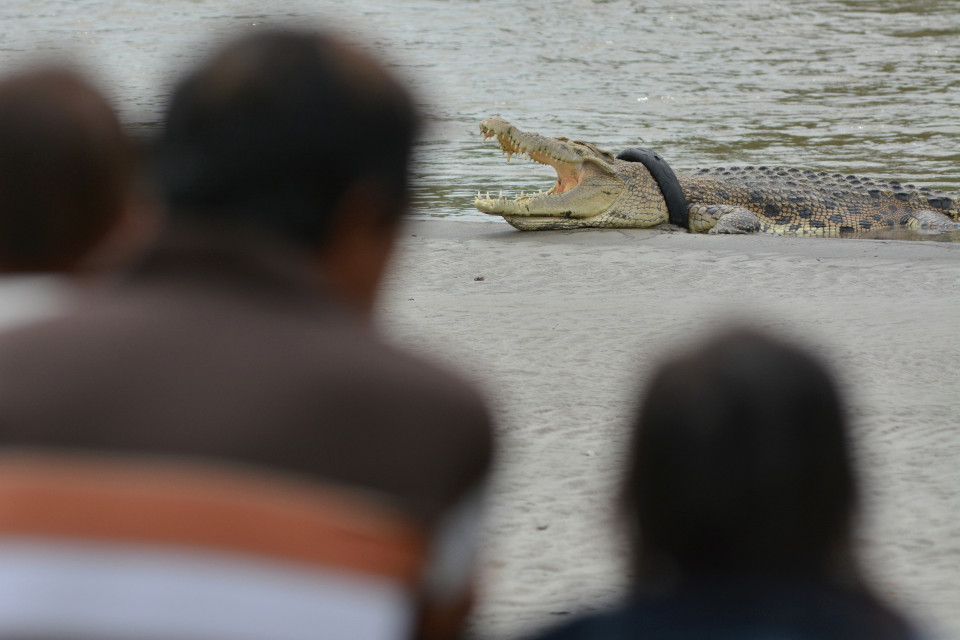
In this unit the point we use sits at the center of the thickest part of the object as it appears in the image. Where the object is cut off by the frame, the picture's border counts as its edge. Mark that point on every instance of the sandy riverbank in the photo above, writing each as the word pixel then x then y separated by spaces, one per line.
pixel 561 328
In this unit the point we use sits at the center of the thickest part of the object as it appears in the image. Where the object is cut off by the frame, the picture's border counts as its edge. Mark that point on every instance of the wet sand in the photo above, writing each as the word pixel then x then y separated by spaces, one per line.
pixel 562 328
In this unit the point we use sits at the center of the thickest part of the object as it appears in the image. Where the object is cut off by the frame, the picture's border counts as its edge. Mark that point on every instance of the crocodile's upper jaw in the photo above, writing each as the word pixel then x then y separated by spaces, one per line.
pixel 579 166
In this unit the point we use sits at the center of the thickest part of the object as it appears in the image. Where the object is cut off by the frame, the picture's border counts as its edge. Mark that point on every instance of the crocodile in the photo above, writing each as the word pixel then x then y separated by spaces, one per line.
pixel 636 188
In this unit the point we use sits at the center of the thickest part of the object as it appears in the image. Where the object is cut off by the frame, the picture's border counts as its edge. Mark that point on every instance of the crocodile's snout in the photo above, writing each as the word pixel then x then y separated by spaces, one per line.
pixel 490 127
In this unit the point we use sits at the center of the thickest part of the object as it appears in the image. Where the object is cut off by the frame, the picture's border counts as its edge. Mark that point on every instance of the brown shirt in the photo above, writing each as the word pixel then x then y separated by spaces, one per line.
pixel 223 348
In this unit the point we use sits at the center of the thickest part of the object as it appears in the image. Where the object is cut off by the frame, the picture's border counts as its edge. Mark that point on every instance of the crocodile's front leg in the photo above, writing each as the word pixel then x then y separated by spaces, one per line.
pixel 721 218
pixel 928 220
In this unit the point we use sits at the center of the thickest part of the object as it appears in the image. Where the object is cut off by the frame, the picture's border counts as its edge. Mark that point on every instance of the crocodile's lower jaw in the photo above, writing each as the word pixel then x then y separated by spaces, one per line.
pixel 541 202
pixel 528 223
pixel 498 206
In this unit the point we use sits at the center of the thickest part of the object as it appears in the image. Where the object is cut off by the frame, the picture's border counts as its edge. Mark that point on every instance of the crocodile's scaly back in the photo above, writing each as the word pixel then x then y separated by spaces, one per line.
pixel 802 202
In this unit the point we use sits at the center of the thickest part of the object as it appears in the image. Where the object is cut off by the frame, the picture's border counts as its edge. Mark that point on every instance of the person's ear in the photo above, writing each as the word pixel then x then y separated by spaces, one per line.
pixel 359 244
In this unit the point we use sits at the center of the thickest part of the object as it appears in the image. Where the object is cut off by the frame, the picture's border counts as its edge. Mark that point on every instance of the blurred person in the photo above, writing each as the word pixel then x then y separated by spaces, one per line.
pixel 220 445
pixel 739 498
pixel 66 169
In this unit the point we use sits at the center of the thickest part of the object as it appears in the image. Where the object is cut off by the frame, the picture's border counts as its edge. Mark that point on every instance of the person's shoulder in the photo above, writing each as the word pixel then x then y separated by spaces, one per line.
pixel 368 376
pixel 427 389
pixel 37 334
pixel 25 299
pixel 609 625
pixel 428 420
pixel 61 311
pixel 797 612
pixel 429 374
pixel 363 354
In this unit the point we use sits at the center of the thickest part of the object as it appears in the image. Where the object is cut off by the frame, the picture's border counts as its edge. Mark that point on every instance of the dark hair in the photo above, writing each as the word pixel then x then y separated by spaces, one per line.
pixel 65 169
pixel 273 130
pixel 740 462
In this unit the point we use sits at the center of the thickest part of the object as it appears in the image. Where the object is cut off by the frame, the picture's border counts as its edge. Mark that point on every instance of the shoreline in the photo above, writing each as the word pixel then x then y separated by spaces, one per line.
pixel 560 329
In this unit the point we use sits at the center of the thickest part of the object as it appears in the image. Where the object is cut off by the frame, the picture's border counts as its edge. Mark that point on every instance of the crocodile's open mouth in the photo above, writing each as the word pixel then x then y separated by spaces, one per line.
pixel 573 160
pixel 569 174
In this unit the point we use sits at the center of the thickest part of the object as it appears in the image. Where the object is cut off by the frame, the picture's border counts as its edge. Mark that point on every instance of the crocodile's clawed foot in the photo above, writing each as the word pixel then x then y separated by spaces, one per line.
pixel 736 220
pixel 728 229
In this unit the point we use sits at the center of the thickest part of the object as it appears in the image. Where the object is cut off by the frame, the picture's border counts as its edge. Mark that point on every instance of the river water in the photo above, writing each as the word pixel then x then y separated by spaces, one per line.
pixel 856 86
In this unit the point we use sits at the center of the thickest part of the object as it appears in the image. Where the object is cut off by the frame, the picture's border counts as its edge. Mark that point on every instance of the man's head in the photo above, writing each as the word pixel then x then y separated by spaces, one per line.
pixel 288 132
pixel 65 170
